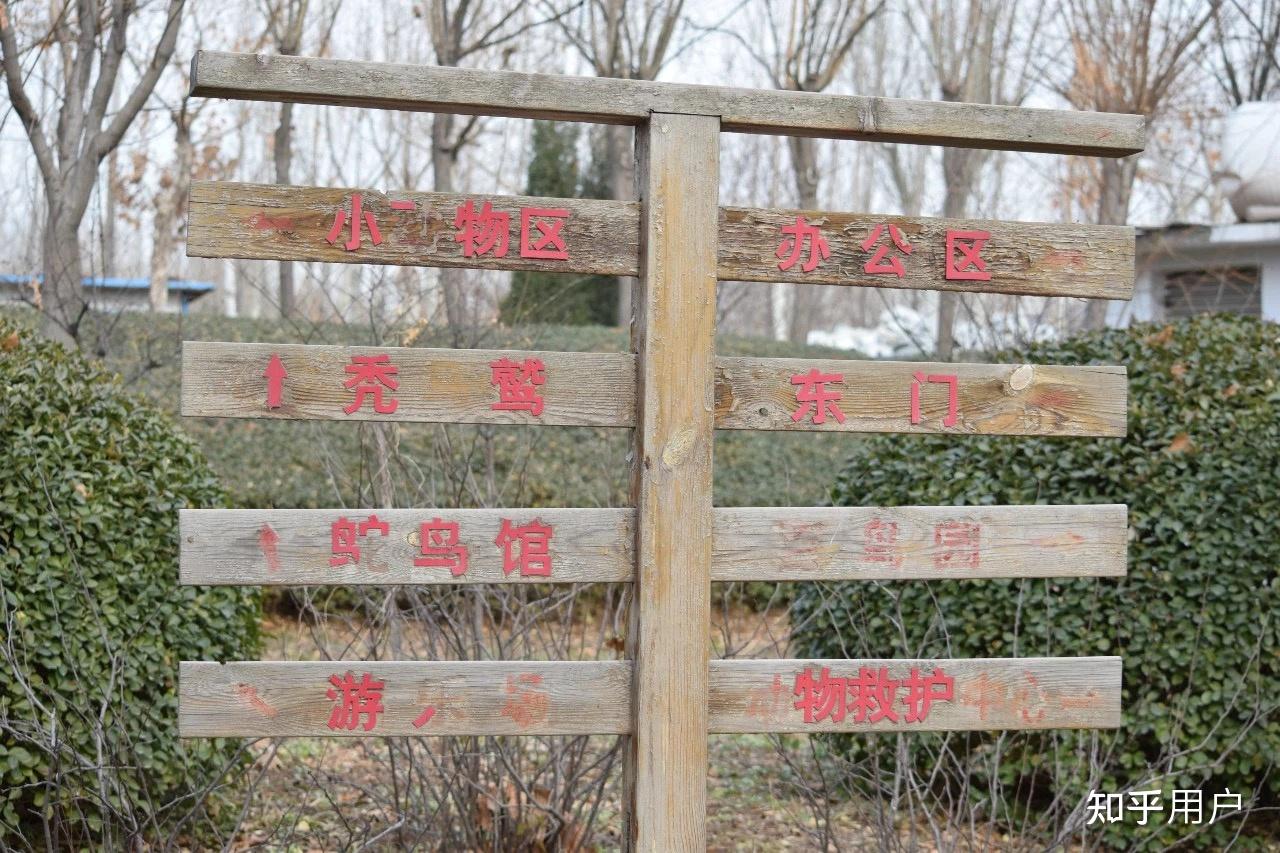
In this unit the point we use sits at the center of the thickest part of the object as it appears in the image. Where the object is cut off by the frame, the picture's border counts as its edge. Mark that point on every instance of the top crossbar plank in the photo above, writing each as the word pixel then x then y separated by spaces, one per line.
pixel 605 100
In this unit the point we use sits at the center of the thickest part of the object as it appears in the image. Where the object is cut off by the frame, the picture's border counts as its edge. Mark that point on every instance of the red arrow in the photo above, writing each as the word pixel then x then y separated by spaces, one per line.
pixel 268 539
pixel 275 375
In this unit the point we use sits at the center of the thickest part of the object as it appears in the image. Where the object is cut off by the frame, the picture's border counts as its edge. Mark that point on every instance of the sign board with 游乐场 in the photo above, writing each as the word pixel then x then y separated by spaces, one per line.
pixel 665 694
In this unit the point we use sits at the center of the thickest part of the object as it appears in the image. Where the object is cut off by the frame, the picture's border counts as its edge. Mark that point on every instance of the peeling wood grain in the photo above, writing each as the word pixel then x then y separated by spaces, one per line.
pixel 875 396
pixel 919 542
pixel 272 699
pixel 455 386
pixel 605 100
pixel 224 546
pixel 266 222
pixel 221 546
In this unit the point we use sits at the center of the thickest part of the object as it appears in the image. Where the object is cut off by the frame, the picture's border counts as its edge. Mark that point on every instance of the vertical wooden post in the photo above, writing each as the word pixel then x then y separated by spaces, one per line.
pixel 674 336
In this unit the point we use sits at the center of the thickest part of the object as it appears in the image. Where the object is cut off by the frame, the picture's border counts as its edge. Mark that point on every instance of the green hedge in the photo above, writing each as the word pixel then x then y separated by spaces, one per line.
pixel 92 620
pixel 1195 619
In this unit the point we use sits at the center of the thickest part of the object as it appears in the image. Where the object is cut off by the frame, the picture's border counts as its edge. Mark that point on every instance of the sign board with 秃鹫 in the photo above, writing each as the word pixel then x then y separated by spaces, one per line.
pixel 292 381
pixel 350 225
pixel 282 547
pixel 398 698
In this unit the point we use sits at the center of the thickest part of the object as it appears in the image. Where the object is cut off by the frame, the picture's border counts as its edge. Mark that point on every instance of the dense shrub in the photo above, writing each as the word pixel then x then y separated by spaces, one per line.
pixel 1195 619
pixel 94 622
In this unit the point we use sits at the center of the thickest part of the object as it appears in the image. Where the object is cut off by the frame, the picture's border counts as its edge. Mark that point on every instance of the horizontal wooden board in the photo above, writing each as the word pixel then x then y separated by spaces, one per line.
pixel 986 694
pixel 349 546
pixel 267 222
pixel 598 389
pixel 260 698
pixel 886 396
pixel 606 100
pixel 312 698
pixel 284 547
pixel 919 542
pixel 226 380
pixel 1024 258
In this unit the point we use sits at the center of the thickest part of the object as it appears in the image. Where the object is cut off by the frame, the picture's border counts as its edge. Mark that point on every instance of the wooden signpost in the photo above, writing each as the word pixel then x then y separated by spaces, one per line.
pixel 672 390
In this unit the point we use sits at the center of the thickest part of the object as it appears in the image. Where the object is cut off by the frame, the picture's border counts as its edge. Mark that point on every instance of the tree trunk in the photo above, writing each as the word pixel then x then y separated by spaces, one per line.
pixel 804 297
pixel 61 295
pixel 444 160
pixel 620 152
pixel 1116 185
pixel 960 168
pixel 168 205
pixel 283 155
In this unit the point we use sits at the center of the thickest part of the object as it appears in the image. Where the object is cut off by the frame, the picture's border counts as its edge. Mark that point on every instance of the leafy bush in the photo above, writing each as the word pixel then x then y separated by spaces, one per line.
pixel 94 622
pixel 1195 617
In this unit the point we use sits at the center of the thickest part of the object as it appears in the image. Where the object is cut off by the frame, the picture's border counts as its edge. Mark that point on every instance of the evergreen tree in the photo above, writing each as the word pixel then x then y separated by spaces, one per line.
pixel 542 297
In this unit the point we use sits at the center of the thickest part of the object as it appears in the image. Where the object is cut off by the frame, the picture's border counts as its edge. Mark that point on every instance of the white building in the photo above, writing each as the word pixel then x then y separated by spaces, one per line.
pixel 1183 270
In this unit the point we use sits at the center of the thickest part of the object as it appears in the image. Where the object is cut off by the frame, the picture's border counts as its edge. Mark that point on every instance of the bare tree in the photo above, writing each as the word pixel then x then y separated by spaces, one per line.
pixel 91 41
pixel 1247 41
pixel 804 54
pixel 460 30
pixel 631 39
pixel 1129 54
pixel 980 52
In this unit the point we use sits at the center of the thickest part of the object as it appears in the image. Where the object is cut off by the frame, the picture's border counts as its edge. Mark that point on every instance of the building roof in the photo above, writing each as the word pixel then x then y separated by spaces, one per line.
pixel 1181 236
pixel 180 286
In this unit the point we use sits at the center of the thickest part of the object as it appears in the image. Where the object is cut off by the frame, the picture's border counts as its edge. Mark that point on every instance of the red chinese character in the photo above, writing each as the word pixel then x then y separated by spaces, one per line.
pixel 369 375
pixel 880 542
pixel 485 233
pixel 953 403
pixel 792 246
pixel 963 255
pixel 822 697
pixel 518 385
pixel 343 534
pixel 534 539
pixel 356 700
pixel 813 391
pixel 526 704
pixel 873 696
pixel 548 243
pixel 357 215
pixel 957 543
pixel 878 265
pixel 923 692
pixel 438 541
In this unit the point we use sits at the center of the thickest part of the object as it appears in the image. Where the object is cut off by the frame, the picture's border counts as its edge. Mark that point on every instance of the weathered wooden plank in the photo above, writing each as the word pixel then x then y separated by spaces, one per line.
pixel 281 547
pixel 290 547
pixel 269 699
pixel 612 101
pixel 458 386
pixel 919 542
pixel 269 222
pixel 984 256
pixel 920 397
pixel 984 694
pixel 665 772
pixel 263 699
pixel 227 380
